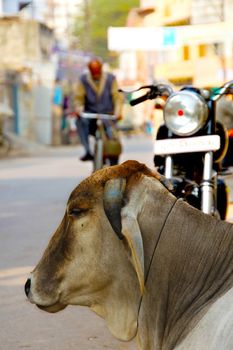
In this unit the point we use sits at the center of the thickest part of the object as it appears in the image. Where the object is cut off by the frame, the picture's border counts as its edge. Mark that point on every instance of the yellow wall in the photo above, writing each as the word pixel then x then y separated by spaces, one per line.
pixel 167 12
pixel 196 60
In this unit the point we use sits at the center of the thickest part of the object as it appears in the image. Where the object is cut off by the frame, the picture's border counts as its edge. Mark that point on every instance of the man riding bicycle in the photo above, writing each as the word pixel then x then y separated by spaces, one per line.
pixel 96 92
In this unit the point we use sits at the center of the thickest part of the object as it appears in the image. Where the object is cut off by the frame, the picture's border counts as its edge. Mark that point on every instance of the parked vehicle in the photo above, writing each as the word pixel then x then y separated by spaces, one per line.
pixel 191 144
pixel 5 145
pixel 5 142
pixel 107 148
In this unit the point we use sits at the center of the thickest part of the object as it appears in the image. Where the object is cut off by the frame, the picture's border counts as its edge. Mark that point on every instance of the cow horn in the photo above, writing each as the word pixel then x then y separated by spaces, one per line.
pixel 113 201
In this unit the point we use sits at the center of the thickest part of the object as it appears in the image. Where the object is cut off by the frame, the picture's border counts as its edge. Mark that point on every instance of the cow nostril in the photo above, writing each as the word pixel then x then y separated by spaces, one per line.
pixel 27 287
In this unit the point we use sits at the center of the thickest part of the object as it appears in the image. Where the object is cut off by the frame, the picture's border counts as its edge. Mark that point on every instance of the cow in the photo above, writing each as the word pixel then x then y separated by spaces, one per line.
pixel 152 266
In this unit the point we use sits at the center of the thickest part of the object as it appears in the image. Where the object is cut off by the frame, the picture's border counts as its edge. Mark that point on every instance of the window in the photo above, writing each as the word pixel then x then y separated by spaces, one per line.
pixel 186 53
pixel 202 50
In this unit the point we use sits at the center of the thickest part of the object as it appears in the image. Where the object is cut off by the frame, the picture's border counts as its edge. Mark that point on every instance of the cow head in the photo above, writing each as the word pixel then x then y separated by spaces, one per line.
pixel 95 257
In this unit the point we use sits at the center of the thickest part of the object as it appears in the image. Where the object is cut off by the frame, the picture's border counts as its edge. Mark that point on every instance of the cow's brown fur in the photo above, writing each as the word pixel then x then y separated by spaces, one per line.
pixel 90 187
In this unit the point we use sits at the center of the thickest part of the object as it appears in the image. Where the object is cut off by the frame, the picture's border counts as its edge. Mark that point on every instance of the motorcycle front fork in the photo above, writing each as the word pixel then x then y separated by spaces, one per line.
pixel 208 185
pixel 168 169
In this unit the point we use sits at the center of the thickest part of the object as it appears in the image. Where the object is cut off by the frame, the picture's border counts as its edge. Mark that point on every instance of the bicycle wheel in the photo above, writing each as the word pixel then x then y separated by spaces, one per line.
pixel 4 146
pixel 98 155
pixel 113 161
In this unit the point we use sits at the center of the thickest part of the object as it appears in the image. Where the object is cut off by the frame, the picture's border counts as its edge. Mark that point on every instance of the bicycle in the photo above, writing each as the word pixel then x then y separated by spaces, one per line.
pixel 107 148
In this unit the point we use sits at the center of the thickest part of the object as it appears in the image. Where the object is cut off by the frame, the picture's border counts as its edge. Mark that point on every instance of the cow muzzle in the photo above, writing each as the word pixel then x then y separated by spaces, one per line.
pixel 27 287
pixel 51 307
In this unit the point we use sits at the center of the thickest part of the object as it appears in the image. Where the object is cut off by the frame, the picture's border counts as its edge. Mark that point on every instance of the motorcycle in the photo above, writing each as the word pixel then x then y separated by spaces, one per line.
pixel 191 144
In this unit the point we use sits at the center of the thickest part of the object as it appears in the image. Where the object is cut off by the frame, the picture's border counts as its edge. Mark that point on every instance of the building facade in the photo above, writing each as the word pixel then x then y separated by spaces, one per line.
pixel 26 69
pixel 181 41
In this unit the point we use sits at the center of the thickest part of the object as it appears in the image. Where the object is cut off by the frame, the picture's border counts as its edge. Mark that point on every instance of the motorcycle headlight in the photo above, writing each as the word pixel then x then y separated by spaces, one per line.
pixel 185 113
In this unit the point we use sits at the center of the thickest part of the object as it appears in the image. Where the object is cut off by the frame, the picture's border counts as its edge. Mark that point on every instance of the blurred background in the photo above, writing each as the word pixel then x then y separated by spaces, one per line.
pixel 45 45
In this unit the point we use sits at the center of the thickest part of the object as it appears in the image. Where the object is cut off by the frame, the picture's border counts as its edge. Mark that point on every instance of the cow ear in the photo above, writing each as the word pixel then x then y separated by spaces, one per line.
pixel 131 231
pixel 124 223
pixel 113 202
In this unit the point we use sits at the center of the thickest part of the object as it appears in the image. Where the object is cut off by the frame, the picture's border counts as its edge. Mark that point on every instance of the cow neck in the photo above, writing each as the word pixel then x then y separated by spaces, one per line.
pixel 155 245
pixel 191 267
pixel 158 240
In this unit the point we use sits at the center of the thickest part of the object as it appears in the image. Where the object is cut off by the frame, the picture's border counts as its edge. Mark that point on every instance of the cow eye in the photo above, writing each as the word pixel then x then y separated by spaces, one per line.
pixel 75 212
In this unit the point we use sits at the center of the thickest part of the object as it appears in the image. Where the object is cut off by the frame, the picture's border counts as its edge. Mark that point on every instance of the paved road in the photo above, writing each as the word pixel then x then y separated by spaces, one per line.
pixel 34 191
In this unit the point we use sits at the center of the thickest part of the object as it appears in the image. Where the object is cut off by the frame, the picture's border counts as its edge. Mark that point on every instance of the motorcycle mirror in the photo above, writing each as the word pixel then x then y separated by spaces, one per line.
pixel 205 93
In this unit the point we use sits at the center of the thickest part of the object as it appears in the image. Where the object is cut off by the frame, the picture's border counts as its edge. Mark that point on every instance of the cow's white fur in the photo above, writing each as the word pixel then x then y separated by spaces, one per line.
pixel 215 329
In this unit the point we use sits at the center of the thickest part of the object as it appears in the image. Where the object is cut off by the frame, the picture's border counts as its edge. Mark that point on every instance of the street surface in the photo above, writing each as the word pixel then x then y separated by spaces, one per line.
pixel 34 190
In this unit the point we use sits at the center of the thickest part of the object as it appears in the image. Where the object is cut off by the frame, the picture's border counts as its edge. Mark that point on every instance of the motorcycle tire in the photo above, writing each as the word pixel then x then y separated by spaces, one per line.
pixel 222 199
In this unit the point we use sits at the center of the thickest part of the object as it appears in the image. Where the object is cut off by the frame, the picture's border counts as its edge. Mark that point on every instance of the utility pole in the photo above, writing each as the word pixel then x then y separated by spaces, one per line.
pixel 222 53
pixel 222 10
pixel 87 25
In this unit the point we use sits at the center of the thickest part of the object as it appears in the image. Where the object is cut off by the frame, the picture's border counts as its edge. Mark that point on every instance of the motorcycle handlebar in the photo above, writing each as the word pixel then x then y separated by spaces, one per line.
pixel 154 91
pixel 166 90
pixel 225 89
pixel 139 100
